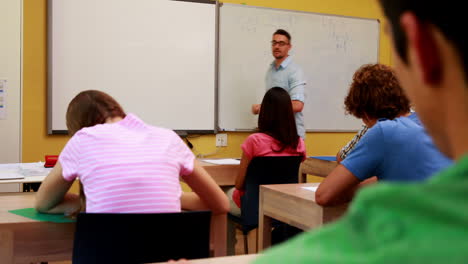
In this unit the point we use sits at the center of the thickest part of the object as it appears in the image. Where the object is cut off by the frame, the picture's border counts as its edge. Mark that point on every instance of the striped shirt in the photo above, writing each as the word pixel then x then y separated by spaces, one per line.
pixel 350 146
pixel 128 166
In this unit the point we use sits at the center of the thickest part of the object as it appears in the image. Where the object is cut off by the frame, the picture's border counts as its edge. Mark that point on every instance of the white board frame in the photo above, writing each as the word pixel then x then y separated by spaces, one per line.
pixel 205 108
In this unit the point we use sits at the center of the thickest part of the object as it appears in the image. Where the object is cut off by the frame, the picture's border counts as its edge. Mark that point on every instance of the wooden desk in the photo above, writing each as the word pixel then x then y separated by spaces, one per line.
pixel 292 204
pixel 30 179
pixel 23 240
pixel 240 259
pixel 316 167
pixel 224 175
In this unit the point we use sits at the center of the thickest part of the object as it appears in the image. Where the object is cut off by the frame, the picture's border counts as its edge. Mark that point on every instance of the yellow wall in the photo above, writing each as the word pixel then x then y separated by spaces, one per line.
pixel 36 142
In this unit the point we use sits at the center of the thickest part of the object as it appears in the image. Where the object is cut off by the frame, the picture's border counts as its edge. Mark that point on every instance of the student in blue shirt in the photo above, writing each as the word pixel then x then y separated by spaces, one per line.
pixel 396 148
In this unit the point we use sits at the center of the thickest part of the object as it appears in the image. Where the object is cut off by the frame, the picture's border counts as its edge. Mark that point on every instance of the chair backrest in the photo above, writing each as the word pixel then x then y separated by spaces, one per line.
pixel 262 171
pixel 141 238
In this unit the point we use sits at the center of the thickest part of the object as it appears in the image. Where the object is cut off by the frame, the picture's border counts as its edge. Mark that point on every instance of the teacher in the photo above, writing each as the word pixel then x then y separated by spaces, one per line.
pixel 284 73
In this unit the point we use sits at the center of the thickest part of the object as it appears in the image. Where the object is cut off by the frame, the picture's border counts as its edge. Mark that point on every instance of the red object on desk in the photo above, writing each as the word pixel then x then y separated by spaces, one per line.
pixel 50 160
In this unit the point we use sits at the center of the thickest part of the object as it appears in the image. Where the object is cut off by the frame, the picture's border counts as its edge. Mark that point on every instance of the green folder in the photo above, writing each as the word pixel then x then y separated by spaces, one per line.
pixel 31 213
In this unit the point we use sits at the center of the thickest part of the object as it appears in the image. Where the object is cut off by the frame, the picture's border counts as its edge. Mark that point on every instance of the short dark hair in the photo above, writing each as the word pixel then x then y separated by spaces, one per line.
pixel 276 118
pixel 376 93
pixel 448 16
pixel 90 108
pixel 283 32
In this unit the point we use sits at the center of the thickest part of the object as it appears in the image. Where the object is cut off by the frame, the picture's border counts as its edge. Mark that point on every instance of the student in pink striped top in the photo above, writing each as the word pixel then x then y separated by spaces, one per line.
pixel 124 165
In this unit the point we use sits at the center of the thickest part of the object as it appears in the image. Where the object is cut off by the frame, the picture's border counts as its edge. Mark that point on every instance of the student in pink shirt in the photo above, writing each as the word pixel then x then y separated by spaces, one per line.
pixel 124 165
pixel 276 136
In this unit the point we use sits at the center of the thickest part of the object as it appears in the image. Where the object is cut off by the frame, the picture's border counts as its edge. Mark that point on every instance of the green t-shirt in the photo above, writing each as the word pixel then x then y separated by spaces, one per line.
pixel 391 223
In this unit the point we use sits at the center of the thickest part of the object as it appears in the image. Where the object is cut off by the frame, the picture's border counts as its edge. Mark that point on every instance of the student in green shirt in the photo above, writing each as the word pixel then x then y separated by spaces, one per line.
pixel 410 223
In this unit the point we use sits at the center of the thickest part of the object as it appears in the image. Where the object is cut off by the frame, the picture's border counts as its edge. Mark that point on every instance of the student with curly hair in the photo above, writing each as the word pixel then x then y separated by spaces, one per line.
pixel 395 148
pixel 381 76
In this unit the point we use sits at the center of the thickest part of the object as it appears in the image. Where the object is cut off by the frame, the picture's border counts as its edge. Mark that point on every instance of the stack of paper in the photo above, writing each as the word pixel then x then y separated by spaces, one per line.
pixel 10 171
pixel 33 169
pixel 20 170
pixel 223 161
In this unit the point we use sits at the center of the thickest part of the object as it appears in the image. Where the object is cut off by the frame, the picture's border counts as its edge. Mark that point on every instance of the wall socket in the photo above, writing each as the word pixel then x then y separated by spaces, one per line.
pixel 221 140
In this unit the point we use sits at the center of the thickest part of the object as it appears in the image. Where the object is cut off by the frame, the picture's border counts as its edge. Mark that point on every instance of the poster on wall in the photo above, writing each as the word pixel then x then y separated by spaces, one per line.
pixel 2 99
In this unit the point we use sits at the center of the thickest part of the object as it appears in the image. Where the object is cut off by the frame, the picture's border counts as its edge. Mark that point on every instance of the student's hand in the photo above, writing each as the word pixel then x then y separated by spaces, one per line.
pixel 52 196
pixel 337 188
pixel 255 109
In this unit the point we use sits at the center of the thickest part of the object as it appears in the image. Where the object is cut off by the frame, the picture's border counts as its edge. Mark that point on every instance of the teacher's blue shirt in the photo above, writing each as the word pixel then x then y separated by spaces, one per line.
pixel 290 77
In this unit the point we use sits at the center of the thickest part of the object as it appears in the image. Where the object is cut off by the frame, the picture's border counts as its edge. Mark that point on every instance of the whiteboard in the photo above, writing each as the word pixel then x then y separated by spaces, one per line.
pixel 156 58
pixel 328 48
pixel 10 80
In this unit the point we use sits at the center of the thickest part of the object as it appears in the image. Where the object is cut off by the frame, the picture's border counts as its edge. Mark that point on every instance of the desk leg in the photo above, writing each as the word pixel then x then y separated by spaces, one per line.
pixel 264 226
pixel 302 177
pixel 218 234
pixel 6 246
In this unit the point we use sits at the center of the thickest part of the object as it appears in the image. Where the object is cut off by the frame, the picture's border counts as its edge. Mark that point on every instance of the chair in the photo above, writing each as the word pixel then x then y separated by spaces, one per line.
pixel 141 238
pixel 261 171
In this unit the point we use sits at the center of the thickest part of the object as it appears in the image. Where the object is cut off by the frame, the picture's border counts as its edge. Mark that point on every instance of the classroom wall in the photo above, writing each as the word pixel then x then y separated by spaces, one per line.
pixel 36 142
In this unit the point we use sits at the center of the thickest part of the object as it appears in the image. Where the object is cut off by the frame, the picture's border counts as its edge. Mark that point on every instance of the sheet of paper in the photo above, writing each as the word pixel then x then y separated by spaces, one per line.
pixel 33 169
pixel 223 161
pixel 311 188
pixel 10 175
pixel 9 166
pixel 11 171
